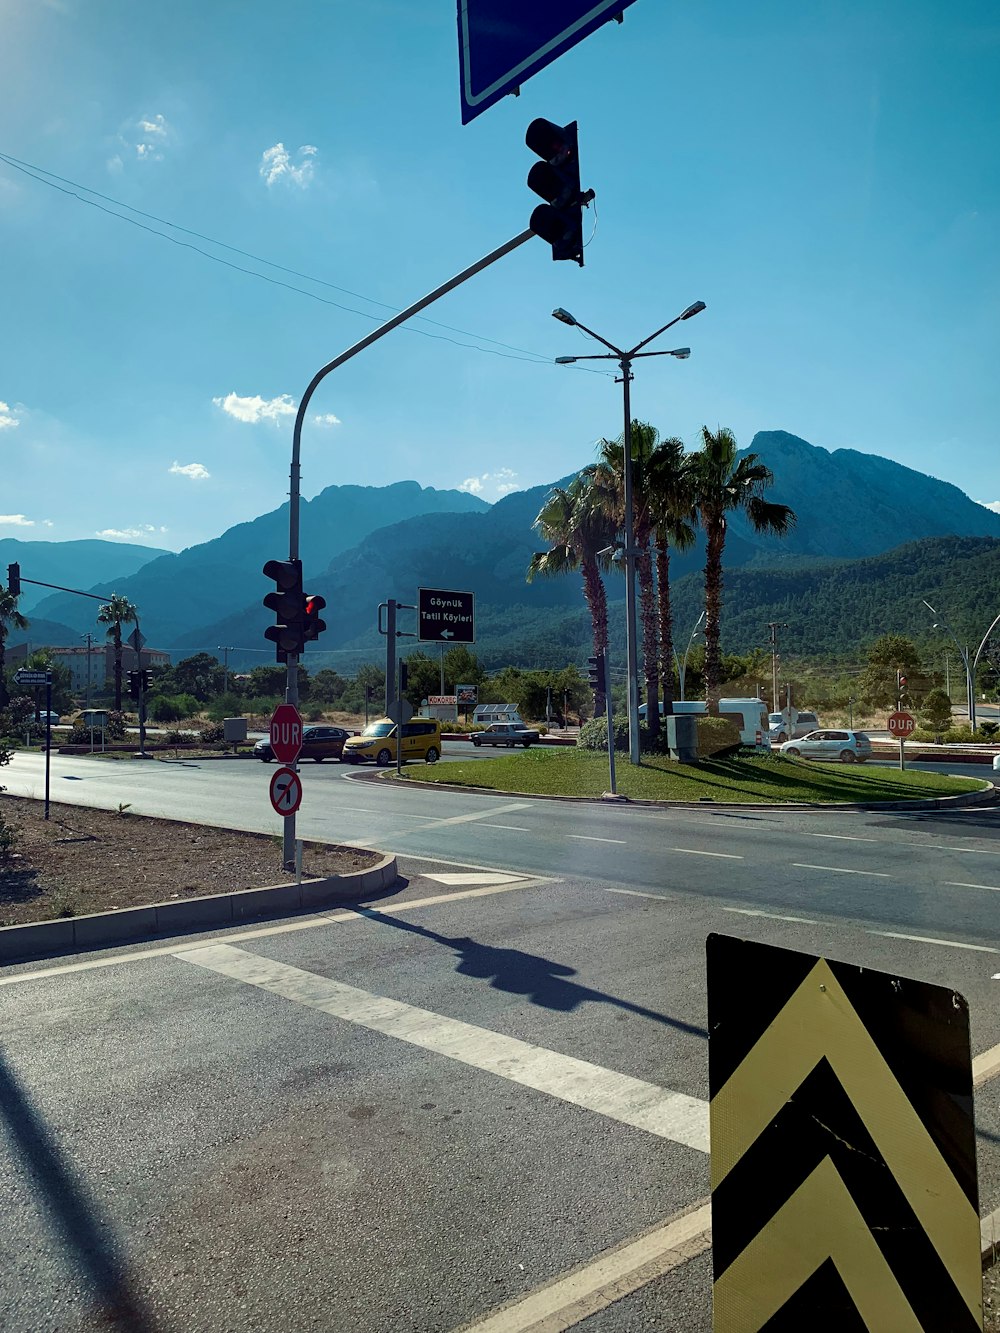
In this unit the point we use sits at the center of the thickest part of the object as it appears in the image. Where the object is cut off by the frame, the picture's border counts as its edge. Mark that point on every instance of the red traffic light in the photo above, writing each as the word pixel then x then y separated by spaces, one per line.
pixel 313 625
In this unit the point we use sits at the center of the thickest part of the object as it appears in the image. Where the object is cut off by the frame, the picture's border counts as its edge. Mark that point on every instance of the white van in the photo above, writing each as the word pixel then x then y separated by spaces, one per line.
pixel 750 715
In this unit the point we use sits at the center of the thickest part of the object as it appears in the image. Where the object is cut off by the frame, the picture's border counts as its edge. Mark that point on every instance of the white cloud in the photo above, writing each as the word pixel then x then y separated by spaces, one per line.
pixel 16 521
pixel 987 504
pixel 130 534
pixel 193 470
pixel 115 164
pixel 491 485
pixel 256 408
pixel 276 165
pixel 7 418
pixel 326 419
pixel 145 138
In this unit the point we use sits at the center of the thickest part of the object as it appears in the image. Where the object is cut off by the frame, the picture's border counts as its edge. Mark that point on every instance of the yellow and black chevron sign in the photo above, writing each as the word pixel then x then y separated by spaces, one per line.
pixel 843 1148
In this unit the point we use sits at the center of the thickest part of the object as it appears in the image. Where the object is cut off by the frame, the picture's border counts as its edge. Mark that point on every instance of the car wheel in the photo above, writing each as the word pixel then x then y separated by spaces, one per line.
pixel 847 757
pixel 383 758
pixel 432 755
pixel 793 752
pixel 318 758
pixel 782 738
pixel 265 759
pixel 510 745
pixel 476 743
pixel 526 744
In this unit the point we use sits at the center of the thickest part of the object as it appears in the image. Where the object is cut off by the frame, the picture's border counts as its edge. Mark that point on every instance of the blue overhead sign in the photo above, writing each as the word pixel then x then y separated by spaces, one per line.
pixel 501 43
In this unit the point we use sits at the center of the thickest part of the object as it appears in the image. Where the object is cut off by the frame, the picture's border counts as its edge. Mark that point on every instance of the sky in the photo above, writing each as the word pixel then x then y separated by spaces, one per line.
pixel 824 177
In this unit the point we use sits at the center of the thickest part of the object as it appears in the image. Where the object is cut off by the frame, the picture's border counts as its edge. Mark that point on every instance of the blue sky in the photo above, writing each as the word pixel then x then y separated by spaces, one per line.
pixel 825 177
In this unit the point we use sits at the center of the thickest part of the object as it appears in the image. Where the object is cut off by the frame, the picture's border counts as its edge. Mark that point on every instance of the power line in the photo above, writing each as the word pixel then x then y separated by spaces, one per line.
pixel 49 178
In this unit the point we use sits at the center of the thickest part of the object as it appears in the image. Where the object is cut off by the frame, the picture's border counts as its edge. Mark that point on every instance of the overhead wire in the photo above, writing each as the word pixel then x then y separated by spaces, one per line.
pixel 49 178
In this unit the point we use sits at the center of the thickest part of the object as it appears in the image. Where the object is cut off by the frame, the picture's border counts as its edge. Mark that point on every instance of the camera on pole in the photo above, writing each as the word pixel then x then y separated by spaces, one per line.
pixel 288 604
pixel 557 179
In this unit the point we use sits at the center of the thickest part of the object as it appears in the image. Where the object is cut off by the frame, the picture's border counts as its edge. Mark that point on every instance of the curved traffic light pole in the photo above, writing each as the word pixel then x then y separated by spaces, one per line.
pixel 294 493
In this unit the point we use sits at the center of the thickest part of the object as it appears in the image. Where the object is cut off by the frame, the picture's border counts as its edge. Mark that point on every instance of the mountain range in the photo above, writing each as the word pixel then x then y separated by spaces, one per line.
pixel 363 545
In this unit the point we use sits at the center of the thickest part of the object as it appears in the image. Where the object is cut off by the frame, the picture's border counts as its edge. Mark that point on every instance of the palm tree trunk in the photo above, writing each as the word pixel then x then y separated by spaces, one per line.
pixel 647 613
pixel 666 623
pixel 597 603
pixel 118 667
pixel 713 612
pixel 4 694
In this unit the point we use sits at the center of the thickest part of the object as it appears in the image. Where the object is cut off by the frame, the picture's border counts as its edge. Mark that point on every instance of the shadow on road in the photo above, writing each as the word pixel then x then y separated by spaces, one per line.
pixel 84 1234
pixel 542 981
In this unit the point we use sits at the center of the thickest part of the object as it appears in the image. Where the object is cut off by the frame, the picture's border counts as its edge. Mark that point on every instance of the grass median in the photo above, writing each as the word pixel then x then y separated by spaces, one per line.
pixel 745 779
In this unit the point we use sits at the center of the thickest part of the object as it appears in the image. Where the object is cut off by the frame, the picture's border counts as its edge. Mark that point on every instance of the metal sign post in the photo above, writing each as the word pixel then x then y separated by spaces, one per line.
pixel 609 710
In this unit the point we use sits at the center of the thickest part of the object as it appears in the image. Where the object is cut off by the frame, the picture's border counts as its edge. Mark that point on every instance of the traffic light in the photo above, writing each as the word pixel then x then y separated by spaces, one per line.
pixel 134 683
pixel 404 676
pixel 597 674
pixel 14 579
pixel 557 179
pixel 145 679
pixel 288 604
pixel 313 626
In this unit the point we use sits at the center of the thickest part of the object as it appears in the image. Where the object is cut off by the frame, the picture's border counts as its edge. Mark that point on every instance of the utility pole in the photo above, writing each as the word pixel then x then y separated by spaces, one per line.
pixel 774 626
pixel 225 667
pixel 89 639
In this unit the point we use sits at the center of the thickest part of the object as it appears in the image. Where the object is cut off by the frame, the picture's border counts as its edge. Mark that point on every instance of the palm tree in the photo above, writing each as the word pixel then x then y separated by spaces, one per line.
pixel 574 521
pixel 645 441
pixel 10 618
pixel 671 485
pixel 116 612
pixel 724 483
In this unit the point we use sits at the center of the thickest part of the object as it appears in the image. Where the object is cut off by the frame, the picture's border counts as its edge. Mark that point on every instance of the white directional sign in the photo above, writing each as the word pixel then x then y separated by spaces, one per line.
pixel 286 791
pixel 445 616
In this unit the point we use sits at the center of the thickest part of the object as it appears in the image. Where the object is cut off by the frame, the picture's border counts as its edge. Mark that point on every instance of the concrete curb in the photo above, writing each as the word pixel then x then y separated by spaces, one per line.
pixel 987 796
pixel 70 934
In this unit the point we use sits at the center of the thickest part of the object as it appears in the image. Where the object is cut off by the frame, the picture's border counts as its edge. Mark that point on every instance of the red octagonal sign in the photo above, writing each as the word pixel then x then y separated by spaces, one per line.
pixel 901 724
pixel 286 733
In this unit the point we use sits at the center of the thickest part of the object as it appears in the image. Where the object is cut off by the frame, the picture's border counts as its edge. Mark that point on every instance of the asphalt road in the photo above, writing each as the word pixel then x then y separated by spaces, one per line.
pixel 379 1119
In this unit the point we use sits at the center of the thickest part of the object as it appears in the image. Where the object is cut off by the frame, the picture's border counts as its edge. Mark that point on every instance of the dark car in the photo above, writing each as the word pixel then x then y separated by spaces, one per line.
pixel 318 743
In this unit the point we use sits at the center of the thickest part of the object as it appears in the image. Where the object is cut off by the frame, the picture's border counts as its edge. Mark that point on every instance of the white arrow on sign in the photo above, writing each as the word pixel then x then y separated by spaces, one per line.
pixel 447 634
pixel 286 791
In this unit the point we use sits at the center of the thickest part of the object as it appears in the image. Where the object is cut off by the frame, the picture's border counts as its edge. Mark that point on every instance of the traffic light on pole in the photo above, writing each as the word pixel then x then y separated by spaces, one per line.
pixel 288 604
pixel 557 179
pixel 134 683
pixel 597 674
pixel 14 579
pixel 313 626
pixel 404 676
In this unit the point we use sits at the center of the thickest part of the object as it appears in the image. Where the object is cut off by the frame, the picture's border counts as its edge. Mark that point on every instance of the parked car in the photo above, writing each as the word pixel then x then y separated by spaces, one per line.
pixel 850 747
pixel 318 743
pixel 377 743
pixel 51 718
pixel 505 733
pixel 779 730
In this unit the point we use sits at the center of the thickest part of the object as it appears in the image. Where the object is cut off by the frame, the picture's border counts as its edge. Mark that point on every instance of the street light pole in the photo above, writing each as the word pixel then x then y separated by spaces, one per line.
pixel 625 359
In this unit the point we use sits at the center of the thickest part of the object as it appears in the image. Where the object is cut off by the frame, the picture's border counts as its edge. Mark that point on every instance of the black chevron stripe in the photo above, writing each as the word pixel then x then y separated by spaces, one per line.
pixel 821 1305
pixel 820 1121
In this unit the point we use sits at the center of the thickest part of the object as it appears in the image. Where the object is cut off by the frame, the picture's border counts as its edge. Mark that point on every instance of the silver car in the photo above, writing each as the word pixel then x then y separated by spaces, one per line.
pixel 850 747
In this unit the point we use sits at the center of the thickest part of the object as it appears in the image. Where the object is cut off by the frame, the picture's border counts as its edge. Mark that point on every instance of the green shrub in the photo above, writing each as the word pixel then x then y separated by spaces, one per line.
pixel 213 733
pixel 115 728
pixel 989 729
pixel 173 707
pixel 716 736
pixel 594 735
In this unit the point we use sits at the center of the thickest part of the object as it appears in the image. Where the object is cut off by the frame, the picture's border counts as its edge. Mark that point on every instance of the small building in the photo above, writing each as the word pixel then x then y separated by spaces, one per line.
pixel 487 713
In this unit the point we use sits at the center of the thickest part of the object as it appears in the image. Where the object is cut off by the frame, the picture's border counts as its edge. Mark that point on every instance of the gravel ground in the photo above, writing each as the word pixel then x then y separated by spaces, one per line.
pixel 82 860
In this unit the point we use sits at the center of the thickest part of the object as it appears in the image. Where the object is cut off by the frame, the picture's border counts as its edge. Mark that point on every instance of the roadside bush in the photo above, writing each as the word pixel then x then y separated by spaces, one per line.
pixel 461 728
pixel 173 707
pixel 716 736
pixel 212 734
pixel 115 727
pixel 989 729
pixel 594 736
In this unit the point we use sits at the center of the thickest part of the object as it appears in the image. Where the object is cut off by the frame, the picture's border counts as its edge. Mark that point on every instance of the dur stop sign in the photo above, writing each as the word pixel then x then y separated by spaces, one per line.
pixel 286 733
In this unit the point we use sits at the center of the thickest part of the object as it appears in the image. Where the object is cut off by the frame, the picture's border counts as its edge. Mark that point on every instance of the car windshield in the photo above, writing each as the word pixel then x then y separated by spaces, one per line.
pixel 379 729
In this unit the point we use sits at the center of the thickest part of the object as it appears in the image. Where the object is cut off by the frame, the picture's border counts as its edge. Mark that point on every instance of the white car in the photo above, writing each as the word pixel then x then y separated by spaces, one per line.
pixel 850 747
pixel 779 730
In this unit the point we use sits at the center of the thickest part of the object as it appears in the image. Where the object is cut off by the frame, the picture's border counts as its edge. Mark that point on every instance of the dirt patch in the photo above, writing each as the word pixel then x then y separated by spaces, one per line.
pixel 82 860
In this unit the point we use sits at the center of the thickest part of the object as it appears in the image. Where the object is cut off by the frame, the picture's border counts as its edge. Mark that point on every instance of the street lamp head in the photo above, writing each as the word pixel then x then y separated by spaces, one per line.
pixel 565 360
pixel 695 309
pixel 681 353
pixel 563 315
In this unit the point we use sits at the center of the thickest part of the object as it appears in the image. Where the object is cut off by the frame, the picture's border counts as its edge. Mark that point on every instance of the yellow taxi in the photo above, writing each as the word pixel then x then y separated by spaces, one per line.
pixel 377 743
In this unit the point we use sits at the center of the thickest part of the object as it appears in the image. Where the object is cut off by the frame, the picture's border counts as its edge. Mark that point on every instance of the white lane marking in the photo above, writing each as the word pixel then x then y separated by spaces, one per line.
pixel 848 837
pixel 470 818
pixel 333 917
pixel 511 828
pixel 457 877
pixel 841 870
pixel 585 837
pixel 773 916
pixel 955 884
pixel 383 814
pixel 692 851
pixel 670 1115
pixel 587 1290
pixel 930 939
pixel 637 893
